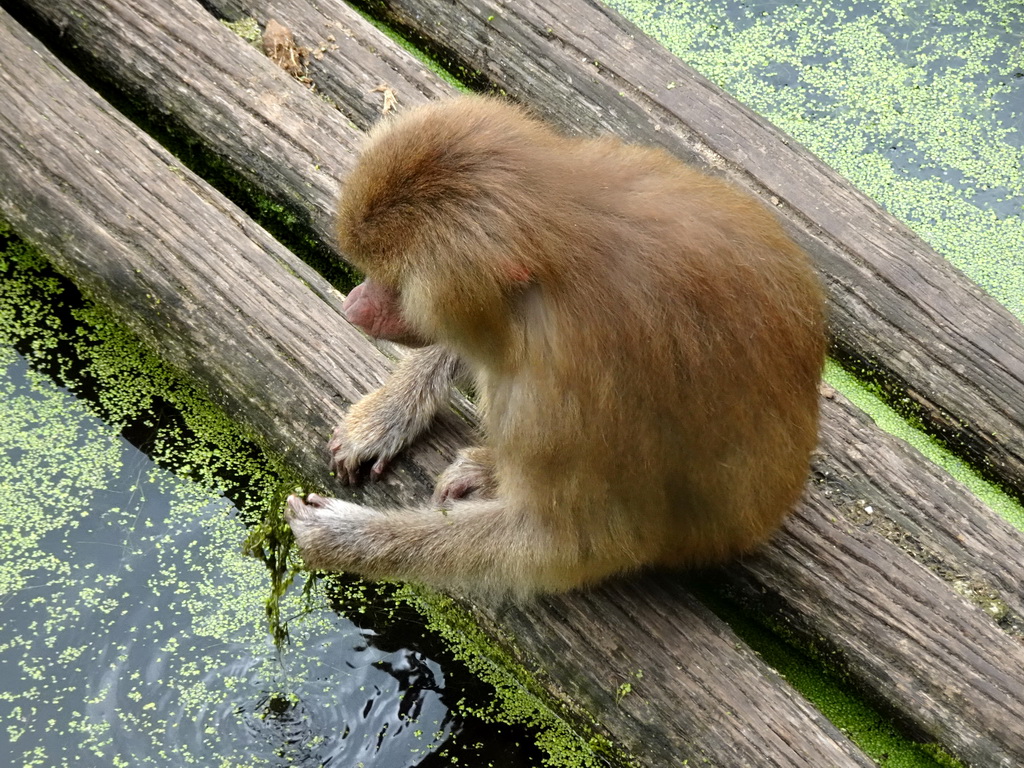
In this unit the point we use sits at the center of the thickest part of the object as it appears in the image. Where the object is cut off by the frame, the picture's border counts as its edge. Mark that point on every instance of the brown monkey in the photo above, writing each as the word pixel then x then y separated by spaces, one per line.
pixel 645 341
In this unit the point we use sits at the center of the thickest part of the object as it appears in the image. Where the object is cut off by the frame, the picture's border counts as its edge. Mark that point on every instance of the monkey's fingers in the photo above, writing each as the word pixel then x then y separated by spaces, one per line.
pixel 347 465
pixel 463 478
pixel 344 464
pixel 455 488
pixel 348 471
pixel 379 467
pixel 296 506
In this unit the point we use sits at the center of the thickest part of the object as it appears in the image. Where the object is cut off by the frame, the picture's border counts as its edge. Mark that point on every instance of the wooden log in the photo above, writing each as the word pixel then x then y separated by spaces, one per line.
pixel 219 298
pixel 227 92
pixel 897 307
pixel 349 60
pixel 915 658
pixel 878 483
pixel 837 580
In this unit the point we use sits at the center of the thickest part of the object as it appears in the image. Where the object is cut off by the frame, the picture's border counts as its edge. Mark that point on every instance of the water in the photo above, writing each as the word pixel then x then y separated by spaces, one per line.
pixel 919 104
pixel 133 630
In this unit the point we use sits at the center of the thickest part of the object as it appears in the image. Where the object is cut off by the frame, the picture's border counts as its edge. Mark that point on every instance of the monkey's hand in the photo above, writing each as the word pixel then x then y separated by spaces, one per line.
pixel 374 431
pixel 384 422
pixel 472 473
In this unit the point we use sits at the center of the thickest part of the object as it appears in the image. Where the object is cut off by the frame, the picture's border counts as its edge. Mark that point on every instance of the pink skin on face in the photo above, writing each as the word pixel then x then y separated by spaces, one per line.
pixel 375 309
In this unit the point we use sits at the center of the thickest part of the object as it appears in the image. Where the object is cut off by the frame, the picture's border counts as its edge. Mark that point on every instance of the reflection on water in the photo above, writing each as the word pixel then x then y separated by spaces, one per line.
pixel 133 630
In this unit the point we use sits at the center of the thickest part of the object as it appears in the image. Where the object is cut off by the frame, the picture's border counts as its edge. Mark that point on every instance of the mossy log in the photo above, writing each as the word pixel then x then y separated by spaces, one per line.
pixel 216 296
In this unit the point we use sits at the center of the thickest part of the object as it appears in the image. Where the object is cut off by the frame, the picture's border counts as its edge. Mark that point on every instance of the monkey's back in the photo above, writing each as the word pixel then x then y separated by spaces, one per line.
pixel 685 344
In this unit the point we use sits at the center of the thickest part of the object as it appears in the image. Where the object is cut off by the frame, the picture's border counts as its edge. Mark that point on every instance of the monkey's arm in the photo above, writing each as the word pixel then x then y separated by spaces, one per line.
pixel 476 546
pixel 387 420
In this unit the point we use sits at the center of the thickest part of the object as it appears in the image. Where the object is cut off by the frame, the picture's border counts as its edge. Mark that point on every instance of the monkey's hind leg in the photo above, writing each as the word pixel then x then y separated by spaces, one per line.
pixel 479 547
pixel 384 422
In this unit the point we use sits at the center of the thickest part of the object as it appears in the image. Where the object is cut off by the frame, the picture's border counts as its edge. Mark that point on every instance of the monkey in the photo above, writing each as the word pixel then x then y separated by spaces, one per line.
pixel 644 340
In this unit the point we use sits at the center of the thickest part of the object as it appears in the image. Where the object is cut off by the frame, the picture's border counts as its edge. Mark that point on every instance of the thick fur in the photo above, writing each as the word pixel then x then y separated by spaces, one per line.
pixel 645 341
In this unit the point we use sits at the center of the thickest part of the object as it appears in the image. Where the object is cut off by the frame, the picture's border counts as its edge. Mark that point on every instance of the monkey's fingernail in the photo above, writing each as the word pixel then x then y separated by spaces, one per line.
pixel 378 469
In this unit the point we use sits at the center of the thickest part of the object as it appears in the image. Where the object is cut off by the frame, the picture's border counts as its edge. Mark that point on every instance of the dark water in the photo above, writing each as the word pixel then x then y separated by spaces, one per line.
pixel 920 104
pixel 133 630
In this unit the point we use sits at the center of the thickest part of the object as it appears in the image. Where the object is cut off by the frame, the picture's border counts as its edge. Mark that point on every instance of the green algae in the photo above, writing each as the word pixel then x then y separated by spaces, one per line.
pixel 919 104
pixel 831 692
pixel 248 29
pixel 574 742
pixel 170 574
pixel 434 58
pixel 861 395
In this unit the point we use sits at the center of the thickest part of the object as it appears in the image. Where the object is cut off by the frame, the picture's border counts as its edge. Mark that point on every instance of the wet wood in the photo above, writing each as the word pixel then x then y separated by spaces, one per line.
pixel 700 697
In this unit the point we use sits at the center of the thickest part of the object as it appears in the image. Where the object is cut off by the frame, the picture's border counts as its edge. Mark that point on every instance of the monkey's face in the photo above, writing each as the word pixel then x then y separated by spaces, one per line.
pixel 377 309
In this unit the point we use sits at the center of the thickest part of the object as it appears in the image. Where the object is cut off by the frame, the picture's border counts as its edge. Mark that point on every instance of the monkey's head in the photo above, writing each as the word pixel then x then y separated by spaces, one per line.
pixel 443 213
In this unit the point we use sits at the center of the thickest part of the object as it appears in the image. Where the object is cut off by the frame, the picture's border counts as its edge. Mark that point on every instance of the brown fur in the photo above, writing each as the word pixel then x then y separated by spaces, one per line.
pixel 645 341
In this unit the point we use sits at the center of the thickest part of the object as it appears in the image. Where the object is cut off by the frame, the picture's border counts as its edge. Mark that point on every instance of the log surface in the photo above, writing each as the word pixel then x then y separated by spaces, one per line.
pixel 702 694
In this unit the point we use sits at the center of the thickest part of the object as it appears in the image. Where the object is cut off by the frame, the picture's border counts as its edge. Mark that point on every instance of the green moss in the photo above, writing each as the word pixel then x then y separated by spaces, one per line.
pixel 248 29
pixel 861 395
pixel 439 61
pixel 127 384
pixel 518 698
pixel 813 673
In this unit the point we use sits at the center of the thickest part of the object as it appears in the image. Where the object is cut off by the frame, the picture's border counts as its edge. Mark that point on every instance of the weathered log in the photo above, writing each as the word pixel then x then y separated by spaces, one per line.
pixel 220 93
pixel 897 307
pixel 215 295
pixel 915 659
pixel 348 59
pixel 302 146
pixel 896 628
pixel 878 483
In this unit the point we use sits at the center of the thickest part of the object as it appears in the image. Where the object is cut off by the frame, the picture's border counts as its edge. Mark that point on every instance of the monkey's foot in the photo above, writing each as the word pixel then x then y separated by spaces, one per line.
pixel 328 531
